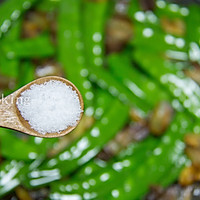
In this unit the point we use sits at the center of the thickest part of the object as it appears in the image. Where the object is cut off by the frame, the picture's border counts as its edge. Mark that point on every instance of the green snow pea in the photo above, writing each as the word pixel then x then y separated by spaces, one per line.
pixel 10 11
pixel 10 67
pixel 180 86
pixel 10 175
pixel 105 80
pixel 71 48
pixel 18 150
pixel 93 30
pixel 138 83
pixel 37 47
pixel 102 102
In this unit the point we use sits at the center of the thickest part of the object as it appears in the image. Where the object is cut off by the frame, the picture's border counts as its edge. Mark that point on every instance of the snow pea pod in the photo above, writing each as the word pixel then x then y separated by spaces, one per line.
pixel 173 173
pixel 102 102
pixel 10 67
pixel 105 80
pixel 141 85
pixel 151 38
pixel 71 48
pixel 180 86
pixel 37 47
pixel 18 150
pixel 14 32
pixel 9 175
pixel 10 11
pixel 93 30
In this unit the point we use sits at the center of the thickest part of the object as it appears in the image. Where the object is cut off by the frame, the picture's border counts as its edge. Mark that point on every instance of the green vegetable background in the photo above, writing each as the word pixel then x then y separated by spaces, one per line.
pixel 149 68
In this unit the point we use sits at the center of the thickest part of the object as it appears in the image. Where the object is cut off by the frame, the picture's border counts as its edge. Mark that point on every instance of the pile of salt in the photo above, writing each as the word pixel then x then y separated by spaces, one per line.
pixel 50 107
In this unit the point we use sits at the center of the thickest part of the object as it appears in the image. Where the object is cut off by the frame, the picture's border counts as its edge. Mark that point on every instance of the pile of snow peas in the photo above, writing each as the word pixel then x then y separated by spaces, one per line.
pixel 69 38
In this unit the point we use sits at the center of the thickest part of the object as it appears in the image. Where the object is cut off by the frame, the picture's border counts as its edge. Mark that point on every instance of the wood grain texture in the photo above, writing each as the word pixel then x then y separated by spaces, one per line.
pixel 11 118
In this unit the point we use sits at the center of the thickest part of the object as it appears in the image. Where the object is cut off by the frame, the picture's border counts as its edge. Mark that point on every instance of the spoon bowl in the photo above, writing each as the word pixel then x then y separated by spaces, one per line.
pixel 10 116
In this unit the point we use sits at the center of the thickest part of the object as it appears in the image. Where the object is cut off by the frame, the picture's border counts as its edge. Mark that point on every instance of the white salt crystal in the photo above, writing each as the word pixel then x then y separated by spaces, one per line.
pixel 50 107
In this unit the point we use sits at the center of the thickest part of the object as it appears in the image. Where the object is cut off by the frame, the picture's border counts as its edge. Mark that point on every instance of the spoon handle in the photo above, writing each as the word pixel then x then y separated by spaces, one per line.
pixel 8 117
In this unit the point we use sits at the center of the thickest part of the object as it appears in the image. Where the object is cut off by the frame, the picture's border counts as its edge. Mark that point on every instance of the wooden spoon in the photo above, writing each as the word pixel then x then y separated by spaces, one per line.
pixel 11 118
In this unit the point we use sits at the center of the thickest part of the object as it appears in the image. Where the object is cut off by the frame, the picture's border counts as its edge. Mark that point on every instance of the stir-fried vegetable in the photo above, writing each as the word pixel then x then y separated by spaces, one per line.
pixel 137 66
